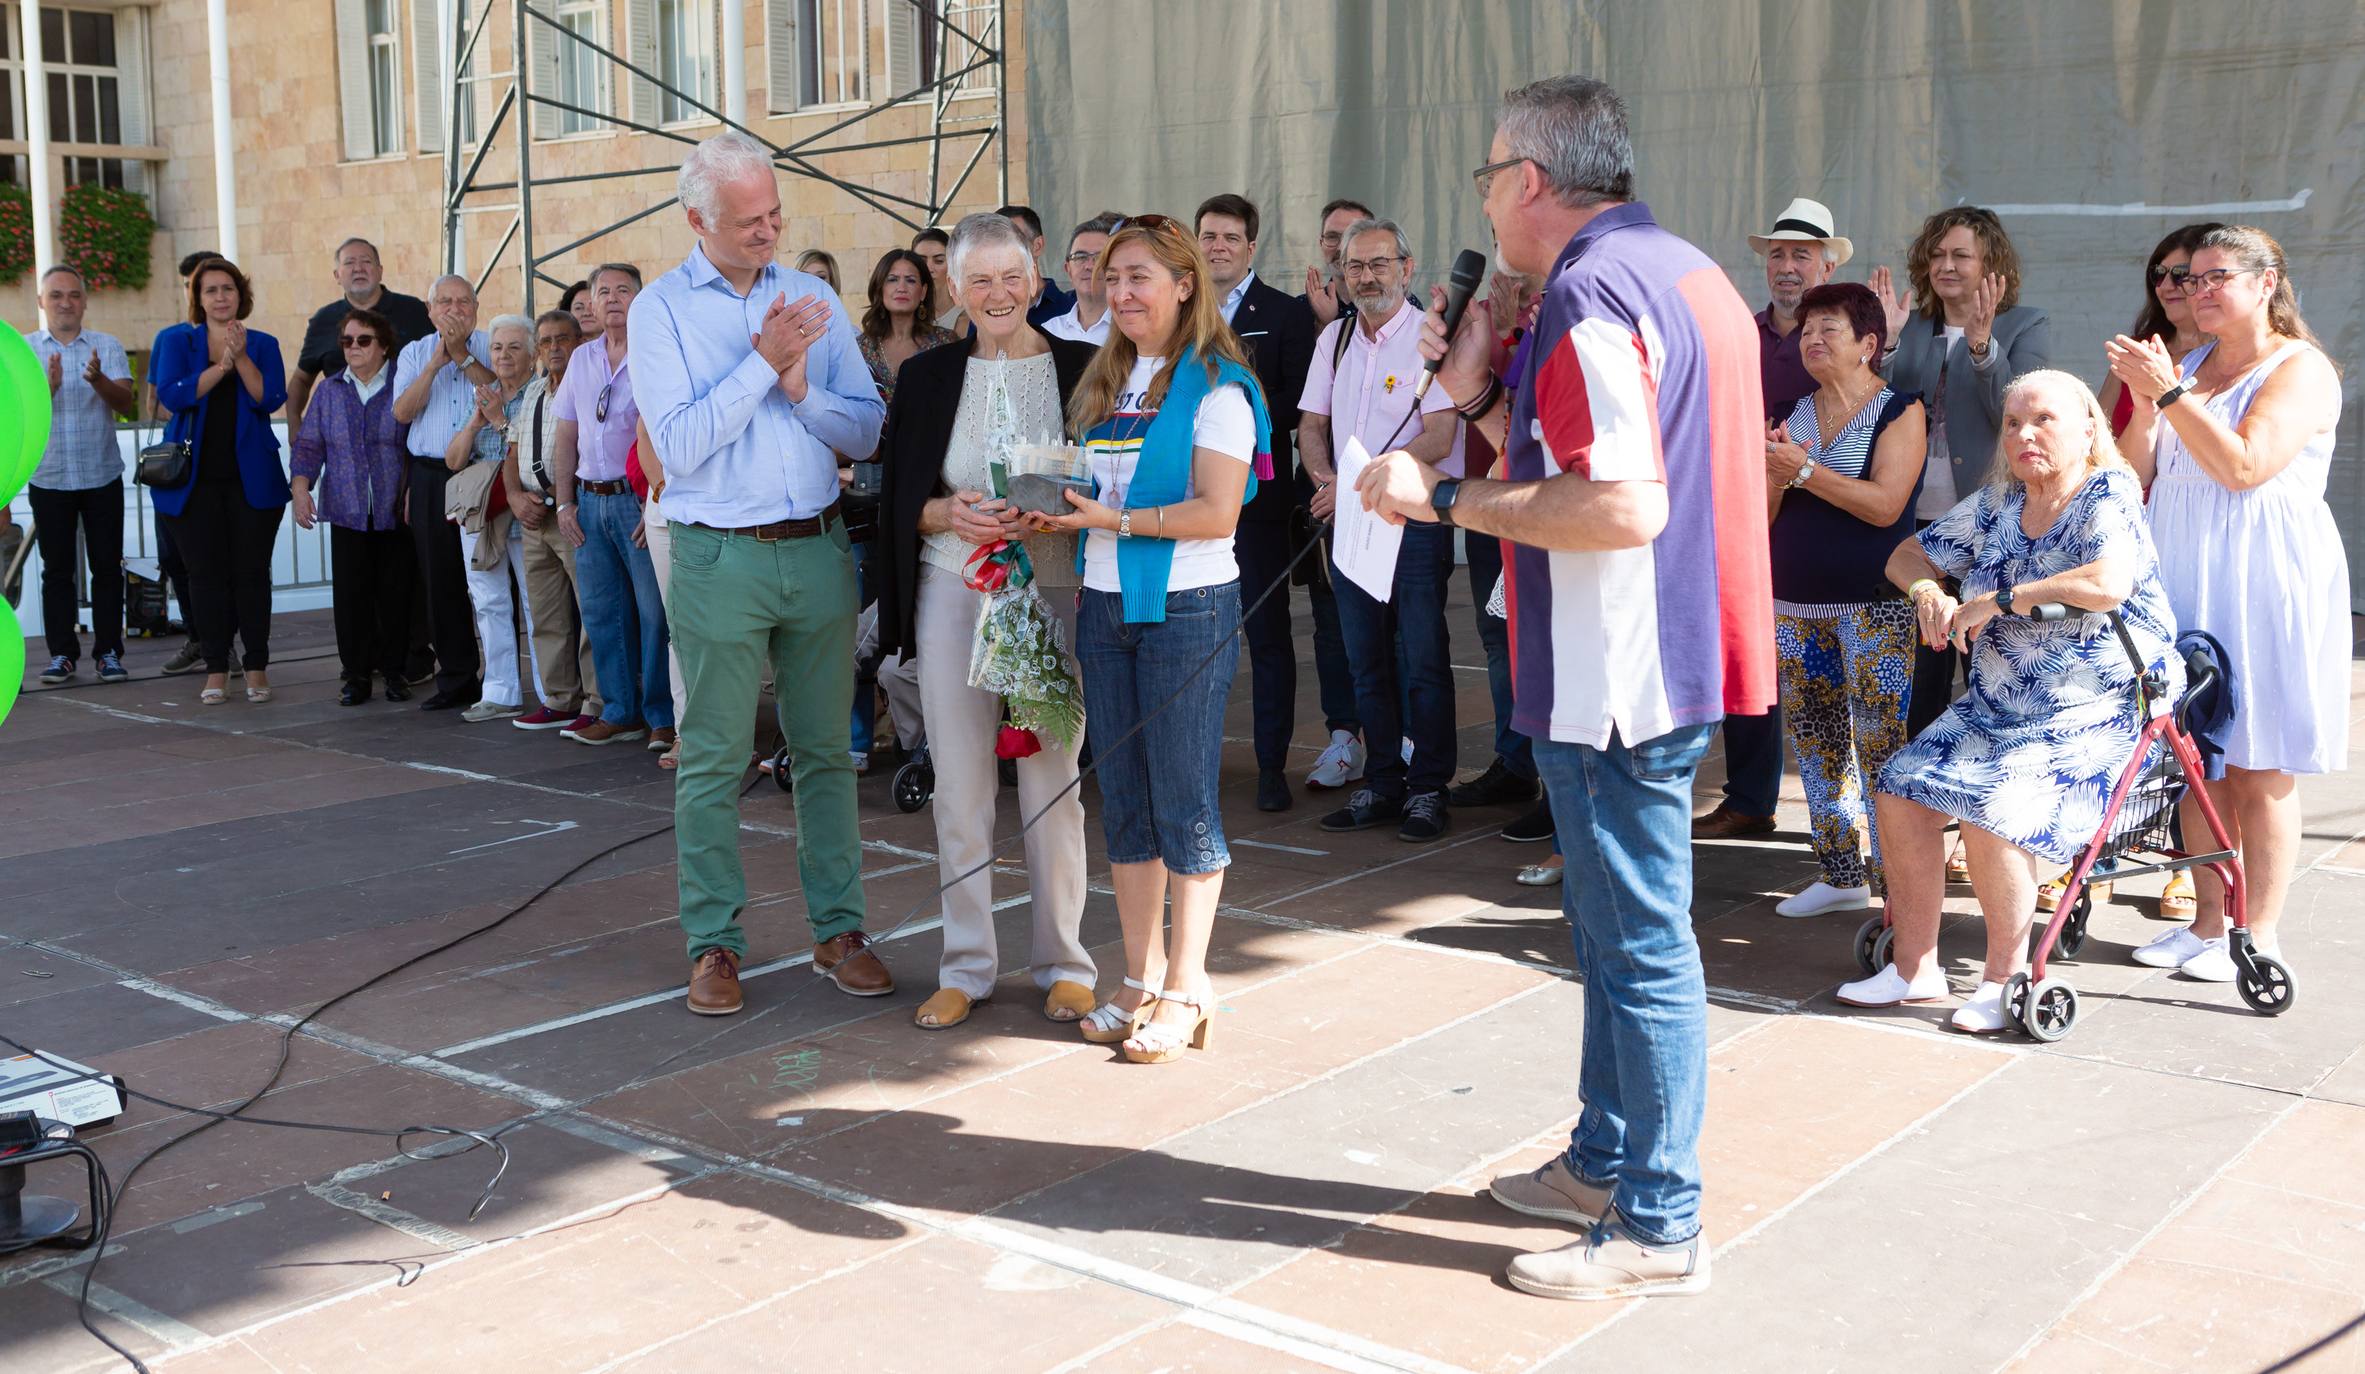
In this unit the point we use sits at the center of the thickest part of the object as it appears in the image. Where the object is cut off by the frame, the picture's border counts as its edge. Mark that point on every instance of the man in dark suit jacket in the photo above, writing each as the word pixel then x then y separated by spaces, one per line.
pixel 1277 330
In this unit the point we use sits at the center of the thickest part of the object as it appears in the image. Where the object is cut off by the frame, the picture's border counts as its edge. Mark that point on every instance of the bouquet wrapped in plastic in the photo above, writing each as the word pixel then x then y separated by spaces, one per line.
pixel 1020 653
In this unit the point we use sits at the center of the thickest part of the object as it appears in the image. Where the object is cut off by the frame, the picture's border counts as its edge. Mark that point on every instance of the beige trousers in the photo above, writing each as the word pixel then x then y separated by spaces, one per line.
pixel 962 723
pixel 562 652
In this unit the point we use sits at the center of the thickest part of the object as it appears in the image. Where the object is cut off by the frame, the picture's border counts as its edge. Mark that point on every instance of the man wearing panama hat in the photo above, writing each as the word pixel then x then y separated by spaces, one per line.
pixel 1800 251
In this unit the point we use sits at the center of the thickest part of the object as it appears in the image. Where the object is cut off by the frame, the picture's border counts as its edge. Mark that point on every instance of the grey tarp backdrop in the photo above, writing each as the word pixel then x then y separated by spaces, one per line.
pixel 2093 128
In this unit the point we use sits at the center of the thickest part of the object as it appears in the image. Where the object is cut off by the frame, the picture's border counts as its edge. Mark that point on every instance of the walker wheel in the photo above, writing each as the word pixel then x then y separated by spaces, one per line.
pixel 915 783
pixel 1873 940
pixel 2073 930
pixel 2052 1009
pixel 2270 992
pixel 780 773
pixel 2016 996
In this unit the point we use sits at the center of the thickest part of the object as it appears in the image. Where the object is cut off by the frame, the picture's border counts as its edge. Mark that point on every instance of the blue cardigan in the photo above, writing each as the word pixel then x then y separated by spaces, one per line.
pixel 173 366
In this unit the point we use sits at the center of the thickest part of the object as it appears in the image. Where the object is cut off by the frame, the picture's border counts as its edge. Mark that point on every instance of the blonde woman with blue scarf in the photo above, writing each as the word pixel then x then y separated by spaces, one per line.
pixel 1178 435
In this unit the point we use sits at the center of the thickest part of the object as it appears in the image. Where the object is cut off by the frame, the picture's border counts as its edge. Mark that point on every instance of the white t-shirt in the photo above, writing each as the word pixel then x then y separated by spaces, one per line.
pixel 1938 494
pixel 1225 423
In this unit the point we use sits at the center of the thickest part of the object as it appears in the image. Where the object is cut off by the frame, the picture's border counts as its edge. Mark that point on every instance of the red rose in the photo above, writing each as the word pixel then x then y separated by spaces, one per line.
pixel 1014 743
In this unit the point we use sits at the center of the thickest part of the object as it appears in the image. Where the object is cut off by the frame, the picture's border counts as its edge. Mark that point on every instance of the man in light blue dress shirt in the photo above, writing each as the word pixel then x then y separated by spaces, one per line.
pixel 435 382
pixel 750 382
pixel 79 482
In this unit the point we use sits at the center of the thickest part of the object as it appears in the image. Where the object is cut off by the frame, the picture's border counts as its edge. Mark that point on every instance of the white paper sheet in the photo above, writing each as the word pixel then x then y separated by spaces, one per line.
pixel 1363 545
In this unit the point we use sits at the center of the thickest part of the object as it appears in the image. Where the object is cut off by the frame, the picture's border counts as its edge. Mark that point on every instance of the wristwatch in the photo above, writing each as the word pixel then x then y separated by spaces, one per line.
pixel 1805 470
pixel 2169 397
pixel 1441 499
pixel 2003 599
pixel 1124 524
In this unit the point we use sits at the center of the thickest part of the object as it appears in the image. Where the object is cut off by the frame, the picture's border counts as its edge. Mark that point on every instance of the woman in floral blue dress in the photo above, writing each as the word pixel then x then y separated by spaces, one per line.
pixel 2027 760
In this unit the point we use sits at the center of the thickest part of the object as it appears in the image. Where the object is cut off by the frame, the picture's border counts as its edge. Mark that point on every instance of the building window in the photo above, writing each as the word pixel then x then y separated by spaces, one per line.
pixel 385 74
pixel 579 68
pixel 93 87
pixel 685 60
pixel 832 42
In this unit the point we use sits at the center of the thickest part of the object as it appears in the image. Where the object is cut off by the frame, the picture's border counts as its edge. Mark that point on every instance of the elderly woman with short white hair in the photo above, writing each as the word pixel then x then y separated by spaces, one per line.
pixel 2028 758
pixel 954 408
pixel 485 439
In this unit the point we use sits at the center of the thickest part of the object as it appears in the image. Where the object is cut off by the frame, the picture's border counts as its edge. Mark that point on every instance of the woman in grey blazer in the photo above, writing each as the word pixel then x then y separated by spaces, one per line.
pixel 1960 342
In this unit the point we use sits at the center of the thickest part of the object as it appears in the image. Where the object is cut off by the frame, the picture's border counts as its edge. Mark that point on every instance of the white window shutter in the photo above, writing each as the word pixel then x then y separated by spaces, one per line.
pixel 542 49
pixel 353 80
pixel 903 47
pixel 780 56
pixel 642 16
pixel 428 60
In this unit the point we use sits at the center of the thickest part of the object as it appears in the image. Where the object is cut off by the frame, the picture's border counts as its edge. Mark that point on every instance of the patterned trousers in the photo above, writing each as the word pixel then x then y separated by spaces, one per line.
pixel 1846 681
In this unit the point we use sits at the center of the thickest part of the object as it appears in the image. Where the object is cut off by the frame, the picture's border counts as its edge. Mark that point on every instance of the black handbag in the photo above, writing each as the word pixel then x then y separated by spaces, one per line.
pixel 164 465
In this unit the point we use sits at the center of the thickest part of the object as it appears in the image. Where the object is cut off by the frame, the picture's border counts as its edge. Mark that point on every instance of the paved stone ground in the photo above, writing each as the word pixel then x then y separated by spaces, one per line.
pixel 816 1185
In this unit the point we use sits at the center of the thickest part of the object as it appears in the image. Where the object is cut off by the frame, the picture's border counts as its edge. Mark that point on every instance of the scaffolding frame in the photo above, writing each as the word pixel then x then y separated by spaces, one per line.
pixel 467 182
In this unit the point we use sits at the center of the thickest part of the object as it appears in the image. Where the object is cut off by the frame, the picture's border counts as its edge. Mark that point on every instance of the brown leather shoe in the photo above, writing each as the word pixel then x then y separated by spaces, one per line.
pixel 850 962
pixel 714 983
pixel 1724 823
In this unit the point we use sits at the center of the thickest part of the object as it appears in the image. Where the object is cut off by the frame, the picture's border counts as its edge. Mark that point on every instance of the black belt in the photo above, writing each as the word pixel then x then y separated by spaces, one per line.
pixel 810 527
pixel 616 487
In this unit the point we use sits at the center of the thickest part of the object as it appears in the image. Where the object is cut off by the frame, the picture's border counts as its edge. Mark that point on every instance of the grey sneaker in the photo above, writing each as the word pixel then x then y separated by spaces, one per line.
pixel 185 659
pixel 1610 1264
pixel 491 710
pixel 1553 1192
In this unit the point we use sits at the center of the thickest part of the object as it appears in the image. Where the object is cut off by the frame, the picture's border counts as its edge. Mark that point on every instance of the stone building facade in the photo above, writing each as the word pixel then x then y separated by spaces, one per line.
pixel 340 107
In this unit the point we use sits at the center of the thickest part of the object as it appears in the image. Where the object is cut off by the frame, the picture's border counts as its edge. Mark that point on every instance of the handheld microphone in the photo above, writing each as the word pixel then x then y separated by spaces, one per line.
pixel 1469 270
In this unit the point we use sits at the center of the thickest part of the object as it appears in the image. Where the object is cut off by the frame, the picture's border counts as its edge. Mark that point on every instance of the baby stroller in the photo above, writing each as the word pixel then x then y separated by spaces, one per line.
pixel 915 782
pixel 2164 768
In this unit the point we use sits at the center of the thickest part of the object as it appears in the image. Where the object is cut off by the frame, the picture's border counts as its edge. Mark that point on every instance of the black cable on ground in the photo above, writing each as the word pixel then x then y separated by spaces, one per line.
pixel 492 1139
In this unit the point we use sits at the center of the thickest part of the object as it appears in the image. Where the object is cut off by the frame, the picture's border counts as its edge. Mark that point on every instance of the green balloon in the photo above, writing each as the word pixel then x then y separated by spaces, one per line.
pixel 24 413
pixel 12 659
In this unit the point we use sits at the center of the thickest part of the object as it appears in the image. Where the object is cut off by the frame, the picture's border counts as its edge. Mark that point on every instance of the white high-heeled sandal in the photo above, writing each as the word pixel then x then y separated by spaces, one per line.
pixel 1162 1042
pixel 1110 1024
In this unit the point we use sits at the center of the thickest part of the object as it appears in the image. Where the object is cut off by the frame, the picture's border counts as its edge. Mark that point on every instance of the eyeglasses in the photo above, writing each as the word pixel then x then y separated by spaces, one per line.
pixel 1080 258
pixel 1485 176
pixel 599 410
pixel 357 340
pixel 2175 274
pixel 2202 283
pixel 1359 268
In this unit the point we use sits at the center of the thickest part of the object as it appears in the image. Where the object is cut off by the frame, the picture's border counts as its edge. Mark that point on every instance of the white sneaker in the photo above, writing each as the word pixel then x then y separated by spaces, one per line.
pixel 1821 897
pixel 1984 1014
pixel 2211 964
pixel 1888 988
pixel 1341 763
pixel 2172 949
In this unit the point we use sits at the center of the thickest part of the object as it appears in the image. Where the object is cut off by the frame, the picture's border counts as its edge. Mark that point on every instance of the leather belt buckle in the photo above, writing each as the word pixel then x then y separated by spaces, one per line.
pixel 772 533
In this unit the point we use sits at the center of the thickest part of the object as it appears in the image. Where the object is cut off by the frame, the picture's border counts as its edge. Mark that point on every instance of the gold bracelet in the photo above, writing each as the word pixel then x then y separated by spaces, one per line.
pixel 1913 590
pixel 1161 522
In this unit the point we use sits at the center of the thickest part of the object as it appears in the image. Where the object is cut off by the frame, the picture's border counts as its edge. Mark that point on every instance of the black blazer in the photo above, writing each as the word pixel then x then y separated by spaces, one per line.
pixel 919 429
pixel 1277 330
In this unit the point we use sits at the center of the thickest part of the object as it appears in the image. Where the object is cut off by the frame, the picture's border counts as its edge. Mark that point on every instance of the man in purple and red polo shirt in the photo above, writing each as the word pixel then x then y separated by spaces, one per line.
pixel 1641 613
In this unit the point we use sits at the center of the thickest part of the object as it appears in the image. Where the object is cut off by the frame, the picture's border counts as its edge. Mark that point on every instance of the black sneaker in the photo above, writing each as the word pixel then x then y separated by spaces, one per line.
pixel 111 668
pixel 60 669
pixel 1364 811
pixel 1424 818
pixel 184 659
pixel 1535 826
pixel 1497 786
pixel 1272 790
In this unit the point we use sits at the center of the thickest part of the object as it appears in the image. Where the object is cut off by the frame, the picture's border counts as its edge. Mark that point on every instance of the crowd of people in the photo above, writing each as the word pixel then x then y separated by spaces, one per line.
pixel 1803 526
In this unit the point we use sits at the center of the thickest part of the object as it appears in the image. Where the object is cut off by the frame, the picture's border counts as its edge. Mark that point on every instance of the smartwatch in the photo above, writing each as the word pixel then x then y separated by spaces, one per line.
pixel 2003 599
pixel 2170 396
pixel 1441 499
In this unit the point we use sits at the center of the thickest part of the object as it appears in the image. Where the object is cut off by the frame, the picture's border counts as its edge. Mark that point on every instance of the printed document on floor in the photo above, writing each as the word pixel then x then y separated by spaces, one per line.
pixel 1362 544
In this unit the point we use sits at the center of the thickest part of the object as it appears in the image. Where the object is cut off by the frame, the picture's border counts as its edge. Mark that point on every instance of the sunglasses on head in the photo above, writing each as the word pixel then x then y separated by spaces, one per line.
pixel 1153 223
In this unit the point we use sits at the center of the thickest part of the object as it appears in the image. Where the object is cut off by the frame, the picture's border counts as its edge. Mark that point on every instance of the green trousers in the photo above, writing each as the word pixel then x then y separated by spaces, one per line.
pixel 732 602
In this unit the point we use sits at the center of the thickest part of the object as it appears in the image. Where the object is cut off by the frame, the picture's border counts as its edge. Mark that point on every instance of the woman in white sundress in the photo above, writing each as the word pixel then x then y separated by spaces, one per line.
pixel 2237 444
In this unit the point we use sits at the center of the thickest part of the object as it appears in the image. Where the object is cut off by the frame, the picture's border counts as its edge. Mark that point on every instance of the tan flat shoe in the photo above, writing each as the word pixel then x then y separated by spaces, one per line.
pixel 945 1009
pixel 1068 1000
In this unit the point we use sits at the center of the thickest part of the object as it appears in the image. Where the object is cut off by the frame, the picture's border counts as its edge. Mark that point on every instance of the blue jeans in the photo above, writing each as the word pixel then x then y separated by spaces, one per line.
pixel 1411 628
pixel 622 612
pixel 1330 662
pixel 1624 819
pixel 1485 557
pixel 1157 784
